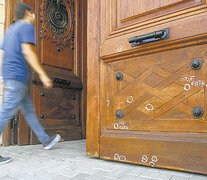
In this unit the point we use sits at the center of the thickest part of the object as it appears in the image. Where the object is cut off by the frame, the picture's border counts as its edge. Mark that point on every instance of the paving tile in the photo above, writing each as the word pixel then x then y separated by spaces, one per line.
pixel 166 171
pixel 22 176
pixel 137 171
pixel 99 175
pixel 8 178
pixel 131 177
pixel 104 173
pixel 4 171
pixel 198 177
pixel 63 171
pixel 117 173
pixel 85 169
pixel 50 176
pixel 155 175
pixel 181 173
pixel 94 177
pixel 174 177
pixel 107 178
pixel 81 176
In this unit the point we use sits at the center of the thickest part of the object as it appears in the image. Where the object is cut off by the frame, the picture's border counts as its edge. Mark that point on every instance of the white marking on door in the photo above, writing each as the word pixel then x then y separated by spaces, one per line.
pixel 108 102
pixel 120 49
pixel 149 107
pixel 120 125
pixel 117 157
pixel 154 159
pixel 187 87
pixel 144 159
pixel 130 99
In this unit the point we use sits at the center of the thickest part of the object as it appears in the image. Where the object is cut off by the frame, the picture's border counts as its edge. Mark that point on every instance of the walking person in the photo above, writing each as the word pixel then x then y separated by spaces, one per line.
pixel 18 54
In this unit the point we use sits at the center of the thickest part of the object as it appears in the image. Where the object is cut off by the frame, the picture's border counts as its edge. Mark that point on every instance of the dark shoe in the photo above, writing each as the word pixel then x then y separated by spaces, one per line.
pixel 4 160
pixel 52 142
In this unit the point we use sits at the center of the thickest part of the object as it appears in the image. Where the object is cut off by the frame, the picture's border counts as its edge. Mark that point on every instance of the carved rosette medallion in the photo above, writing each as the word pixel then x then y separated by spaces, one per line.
pixel 57 19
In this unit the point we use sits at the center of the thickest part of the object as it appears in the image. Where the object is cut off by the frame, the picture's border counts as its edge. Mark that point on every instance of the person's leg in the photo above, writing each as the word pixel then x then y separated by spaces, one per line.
pixel 28 111
pixel 13 95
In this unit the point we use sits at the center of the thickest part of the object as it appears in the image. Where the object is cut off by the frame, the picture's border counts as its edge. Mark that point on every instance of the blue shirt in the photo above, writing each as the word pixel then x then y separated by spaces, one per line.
pixel 14 64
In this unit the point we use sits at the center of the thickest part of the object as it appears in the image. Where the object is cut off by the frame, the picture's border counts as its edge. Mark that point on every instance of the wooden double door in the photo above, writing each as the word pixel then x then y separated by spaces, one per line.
pixel 147 82
pixel 60 31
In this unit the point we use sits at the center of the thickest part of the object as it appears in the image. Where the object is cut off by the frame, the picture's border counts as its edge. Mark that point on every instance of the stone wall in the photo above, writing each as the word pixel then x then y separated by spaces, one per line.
pixel 2 21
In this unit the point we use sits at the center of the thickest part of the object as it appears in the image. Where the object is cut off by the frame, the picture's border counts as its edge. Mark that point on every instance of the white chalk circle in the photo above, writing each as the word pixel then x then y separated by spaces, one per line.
pixel 154 159
pixel 108 102
pixel 116 157
pixel 152 164
pixel 130 99
pixel 119 158
pixel 116 126
pixel 149 107
pixel 144 159
pixel 187 87
pixel 122 158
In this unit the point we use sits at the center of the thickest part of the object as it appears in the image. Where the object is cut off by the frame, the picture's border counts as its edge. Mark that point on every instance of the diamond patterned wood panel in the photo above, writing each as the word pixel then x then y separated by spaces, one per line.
pixel 158 92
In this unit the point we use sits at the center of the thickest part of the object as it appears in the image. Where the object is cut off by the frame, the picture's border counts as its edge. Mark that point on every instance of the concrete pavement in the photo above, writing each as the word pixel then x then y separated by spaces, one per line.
pixel 68 160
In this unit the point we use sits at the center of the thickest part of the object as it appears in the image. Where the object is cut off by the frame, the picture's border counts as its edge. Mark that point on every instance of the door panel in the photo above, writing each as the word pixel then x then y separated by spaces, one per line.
pixel 156 92
pixel 59 38
pixel 152 98
pixel 115 34
pixel 58 110
pixel 134 12
pixel 156 152
pixel 57 28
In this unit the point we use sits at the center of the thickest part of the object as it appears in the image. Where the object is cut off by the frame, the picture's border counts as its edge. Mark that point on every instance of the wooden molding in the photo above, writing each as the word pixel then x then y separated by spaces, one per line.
pixel 93 71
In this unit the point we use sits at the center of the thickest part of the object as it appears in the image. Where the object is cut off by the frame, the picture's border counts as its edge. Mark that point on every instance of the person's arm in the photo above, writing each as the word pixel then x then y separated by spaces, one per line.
pixel 33 61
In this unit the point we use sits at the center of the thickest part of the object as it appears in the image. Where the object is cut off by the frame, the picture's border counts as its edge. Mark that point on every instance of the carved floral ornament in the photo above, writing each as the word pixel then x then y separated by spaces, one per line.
pixel 57 19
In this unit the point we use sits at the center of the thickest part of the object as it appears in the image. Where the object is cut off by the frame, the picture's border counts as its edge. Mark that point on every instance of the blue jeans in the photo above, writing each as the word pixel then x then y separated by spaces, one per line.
pixel 16 97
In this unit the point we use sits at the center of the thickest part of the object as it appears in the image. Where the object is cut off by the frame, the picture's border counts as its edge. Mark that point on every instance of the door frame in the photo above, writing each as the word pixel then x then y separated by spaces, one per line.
pixel 24 131
pixel 93 77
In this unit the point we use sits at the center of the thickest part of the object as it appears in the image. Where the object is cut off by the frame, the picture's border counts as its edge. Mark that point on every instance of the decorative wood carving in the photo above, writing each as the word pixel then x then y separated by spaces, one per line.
pixel 57 18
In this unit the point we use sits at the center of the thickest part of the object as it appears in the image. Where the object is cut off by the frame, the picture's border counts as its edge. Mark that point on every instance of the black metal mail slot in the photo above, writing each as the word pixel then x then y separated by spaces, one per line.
pixel 57 83
pixel 151 37
pixel 62 82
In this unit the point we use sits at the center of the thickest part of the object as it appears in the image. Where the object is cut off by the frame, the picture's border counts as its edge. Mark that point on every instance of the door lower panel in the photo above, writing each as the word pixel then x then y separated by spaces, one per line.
pixel 58 110
pixel 174 153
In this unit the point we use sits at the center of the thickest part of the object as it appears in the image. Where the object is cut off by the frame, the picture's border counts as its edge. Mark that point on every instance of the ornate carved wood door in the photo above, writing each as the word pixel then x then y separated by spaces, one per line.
pixel 152 85
pixel 60 47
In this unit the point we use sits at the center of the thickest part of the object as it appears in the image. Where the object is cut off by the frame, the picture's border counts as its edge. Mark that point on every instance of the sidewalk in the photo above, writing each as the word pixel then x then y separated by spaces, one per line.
pixel 68 160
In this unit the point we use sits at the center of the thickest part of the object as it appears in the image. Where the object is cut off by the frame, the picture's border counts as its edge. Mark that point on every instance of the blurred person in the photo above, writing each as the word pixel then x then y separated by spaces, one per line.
pixel 18 54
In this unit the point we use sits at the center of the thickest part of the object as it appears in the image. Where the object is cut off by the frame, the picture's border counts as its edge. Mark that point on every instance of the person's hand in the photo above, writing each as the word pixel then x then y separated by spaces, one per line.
pixel 47 82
